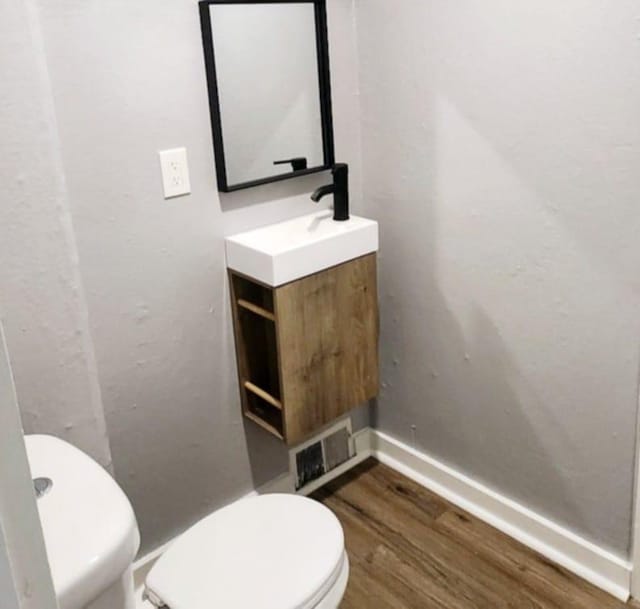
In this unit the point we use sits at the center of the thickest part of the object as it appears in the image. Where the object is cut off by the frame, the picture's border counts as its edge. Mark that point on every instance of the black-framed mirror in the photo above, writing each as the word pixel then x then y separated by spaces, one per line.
pixel 269 86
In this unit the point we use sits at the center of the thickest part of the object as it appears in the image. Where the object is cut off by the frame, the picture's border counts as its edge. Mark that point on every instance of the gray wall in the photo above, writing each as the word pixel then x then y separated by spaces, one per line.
pixel 501 147
pixel 7 586
pixel 124 80
pixel 41 293
pixel 49 340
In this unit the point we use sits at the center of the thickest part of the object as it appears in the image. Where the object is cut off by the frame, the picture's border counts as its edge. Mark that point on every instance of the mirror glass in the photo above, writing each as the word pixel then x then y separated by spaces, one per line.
pixel 268 83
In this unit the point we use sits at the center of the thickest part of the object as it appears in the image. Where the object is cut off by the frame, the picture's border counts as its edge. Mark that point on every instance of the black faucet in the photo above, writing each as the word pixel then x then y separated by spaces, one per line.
pixel 340 191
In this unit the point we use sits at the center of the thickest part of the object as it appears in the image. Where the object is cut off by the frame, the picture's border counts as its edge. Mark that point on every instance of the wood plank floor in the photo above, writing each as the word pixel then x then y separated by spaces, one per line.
pixel 410 549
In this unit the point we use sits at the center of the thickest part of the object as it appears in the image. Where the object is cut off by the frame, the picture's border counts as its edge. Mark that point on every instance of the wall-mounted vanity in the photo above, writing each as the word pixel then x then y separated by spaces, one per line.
pixel 305 311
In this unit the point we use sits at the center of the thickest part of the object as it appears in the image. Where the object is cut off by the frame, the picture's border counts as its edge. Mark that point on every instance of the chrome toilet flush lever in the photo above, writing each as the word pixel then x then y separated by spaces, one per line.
pixel 42 486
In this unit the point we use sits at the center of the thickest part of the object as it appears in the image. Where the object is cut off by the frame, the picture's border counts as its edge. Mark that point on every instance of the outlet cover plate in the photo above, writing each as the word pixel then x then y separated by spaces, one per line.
pixel 175 172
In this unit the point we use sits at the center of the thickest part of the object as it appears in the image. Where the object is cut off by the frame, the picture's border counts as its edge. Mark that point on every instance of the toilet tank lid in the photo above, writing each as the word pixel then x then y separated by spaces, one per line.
pixel 267 552
pixel 89 527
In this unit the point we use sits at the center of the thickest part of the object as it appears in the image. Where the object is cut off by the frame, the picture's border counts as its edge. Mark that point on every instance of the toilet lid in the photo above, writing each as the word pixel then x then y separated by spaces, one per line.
pixel 266 552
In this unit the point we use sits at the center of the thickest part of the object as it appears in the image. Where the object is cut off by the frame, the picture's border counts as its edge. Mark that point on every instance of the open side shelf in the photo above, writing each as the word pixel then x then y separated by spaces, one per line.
pixel 257 350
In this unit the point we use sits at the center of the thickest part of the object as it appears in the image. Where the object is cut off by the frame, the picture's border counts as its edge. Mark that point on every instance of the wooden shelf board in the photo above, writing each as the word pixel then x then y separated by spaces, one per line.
pixel 256 419
pixel 267 397
pixel 249 306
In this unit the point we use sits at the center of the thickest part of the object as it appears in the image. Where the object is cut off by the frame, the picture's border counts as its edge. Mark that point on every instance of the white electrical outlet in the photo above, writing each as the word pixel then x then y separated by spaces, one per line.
pixel 175 172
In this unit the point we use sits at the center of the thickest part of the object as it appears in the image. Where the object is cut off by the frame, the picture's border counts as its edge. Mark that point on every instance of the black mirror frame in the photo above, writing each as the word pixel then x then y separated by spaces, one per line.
pixel 324 75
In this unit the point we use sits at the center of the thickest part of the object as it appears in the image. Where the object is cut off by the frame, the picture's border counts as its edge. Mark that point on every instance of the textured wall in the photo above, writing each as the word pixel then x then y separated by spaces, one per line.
pixel 52 360
pixel 128 79
pixel 501 147
pixel 7 587
pixel 42 296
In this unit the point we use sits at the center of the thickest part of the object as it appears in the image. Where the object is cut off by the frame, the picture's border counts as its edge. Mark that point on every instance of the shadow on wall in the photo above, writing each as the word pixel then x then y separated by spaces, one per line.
pixel 448 369
pixel 474 409
pixel 509 297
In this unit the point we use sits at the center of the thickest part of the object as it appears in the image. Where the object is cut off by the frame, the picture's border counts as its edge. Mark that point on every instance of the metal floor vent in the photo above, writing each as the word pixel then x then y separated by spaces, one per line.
pixel 319 456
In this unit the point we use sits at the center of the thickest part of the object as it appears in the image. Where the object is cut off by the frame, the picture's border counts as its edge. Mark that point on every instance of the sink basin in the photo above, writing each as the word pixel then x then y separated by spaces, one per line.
pixel 283 252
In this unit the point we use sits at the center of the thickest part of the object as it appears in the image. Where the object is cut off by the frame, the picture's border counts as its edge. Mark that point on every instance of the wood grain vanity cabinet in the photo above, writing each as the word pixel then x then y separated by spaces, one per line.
pixel 307 351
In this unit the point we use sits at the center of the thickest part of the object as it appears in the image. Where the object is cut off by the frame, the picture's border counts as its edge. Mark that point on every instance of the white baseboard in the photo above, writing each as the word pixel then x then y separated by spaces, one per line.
pixel 584 558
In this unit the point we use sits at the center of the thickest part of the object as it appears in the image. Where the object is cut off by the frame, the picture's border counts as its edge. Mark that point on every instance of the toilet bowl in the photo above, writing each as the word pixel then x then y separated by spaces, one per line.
pixel 266 552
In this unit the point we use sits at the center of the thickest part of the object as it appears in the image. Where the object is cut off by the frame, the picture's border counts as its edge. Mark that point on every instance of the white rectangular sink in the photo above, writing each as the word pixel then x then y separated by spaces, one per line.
pixel 281 253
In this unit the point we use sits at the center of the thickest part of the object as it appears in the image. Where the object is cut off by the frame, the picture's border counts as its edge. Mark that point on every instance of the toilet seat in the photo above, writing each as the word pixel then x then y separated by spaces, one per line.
pixel 267 552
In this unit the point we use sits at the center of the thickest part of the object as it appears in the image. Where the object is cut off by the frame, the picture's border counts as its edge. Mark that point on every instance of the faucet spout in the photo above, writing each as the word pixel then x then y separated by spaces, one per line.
pixel 323 191
pixel 340 191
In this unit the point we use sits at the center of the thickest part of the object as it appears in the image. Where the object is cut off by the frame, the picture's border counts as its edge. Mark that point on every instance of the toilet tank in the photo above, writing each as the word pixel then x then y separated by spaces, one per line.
pixel 89 526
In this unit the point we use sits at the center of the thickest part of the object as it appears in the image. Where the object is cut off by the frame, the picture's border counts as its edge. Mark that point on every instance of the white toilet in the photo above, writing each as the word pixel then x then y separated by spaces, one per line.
pixel 266 552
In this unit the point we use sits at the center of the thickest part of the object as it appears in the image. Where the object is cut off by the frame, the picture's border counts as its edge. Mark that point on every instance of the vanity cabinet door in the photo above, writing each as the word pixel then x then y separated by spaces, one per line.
pixel 327 333
pixel 307 351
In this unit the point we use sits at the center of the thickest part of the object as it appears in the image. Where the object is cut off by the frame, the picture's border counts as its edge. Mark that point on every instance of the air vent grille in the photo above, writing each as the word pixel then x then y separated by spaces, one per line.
pixel 317 457
pixel 309 464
